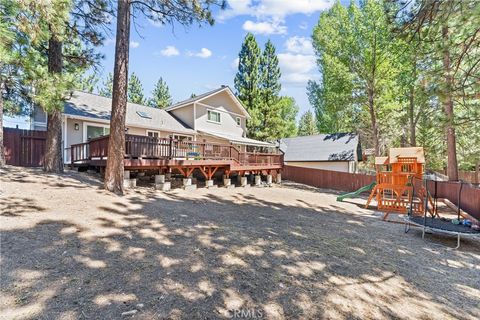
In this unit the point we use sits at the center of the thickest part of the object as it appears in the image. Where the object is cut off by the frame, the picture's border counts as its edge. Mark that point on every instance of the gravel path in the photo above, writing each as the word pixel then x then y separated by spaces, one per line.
pixel 70 250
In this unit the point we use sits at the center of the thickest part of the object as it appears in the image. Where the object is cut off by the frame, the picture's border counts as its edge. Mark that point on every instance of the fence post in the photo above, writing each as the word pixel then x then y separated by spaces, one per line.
pixel 71 157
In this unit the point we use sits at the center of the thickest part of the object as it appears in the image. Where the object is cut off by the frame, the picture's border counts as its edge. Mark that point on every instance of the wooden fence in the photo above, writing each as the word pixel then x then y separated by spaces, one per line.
pixel 468 176
pixel 24 148
pixel 327 179
pixel 343 181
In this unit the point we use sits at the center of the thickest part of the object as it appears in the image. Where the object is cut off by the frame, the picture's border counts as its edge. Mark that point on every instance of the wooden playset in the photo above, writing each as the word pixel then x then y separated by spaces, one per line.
pixel 395 178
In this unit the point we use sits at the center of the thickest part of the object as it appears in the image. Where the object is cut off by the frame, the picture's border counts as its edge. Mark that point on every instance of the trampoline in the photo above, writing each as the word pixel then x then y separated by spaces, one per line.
pixel 436 224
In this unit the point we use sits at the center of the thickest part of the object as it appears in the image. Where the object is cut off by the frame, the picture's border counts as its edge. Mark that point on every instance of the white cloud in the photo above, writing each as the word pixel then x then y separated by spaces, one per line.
pixel 109 41
pixel 170 51
pixel 297 69
pixel 203 53
pixel 299 45
pixel 234 64
pixel 273 8
pixel 134 44
pixel 275 27
pixel 303 25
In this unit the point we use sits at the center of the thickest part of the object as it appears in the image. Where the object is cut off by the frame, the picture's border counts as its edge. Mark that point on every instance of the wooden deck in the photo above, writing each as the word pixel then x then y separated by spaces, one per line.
pixel 165 155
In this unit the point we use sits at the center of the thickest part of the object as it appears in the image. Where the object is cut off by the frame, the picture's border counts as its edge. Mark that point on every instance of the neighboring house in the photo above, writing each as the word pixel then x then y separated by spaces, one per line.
pixel 213 117
pixel 337 151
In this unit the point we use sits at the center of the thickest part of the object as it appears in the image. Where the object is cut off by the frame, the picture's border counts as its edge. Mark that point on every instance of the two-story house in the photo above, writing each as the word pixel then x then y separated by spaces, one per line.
pixel 216 116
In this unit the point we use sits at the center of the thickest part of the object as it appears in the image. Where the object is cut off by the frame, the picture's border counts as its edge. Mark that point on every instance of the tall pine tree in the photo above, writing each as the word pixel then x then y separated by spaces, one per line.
pixel 161 95
pixel 135 90
pixel 107 88
pixel 247 80
pixel 307 125
pixel 269 108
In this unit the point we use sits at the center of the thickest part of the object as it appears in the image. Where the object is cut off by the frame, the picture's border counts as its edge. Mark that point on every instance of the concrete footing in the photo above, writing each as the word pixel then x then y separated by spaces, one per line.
pixel 165 186
pixel 129 183
pixel 209 184
pixel 190 187
pixel 227 182
pixel 279 178
pixel 269 179
pixel 159 178
pixel 187 182
pixel 126 174
pixel 258 180
pixel 243 182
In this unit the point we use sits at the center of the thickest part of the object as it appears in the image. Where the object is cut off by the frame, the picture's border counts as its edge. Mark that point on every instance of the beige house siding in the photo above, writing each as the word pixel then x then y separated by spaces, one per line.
pixel 342 166
pixel 77 136
pixel 215 140
pixel 185 114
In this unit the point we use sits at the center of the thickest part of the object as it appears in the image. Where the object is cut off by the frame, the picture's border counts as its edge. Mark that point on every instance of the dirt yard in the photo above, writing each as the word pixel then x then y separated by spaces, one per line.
pixel 69 250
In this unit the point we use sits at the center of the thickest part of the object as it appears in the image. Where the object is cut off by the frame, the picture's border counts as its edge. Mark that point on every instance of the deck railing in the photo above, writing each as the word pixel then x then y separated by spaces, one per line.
pixel 168 148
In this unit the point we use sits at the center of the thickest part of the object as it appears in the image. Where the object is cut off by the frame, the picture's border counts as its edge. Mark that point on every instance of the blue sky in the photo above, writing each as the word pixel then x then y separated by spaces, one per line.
pixel 195 60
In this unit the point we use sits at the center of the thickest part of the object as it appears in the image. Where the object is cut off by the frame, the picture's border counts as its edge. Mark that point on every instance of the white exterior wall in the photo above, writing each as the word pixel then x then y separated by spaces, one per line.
pixel 342 166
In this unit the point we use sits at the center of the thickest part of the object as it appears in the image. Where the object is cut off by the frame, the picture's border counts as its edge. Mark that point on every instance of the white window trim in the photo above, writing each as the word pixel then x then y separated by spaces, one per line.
pixel 219 115
pixel 92 124
pixel 172 135
pixel 153 131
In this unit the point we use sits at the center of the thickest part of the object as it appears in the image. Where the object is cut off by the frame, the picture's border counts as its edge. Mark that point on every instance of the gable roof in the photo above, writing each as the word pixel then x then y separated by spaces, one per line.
pixel 88 105
pixel 322 147
pixel 208 94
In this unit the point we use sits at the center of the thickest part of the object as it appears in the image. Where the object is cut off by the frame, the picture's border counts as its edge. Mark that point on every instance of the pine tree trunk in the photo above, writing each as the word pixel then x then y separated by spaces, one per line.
pixel 116 145
pixel 477 173
pixel 411 107
pixel 452 165
pixel 2 148
pixel 53 161
pixel 373 119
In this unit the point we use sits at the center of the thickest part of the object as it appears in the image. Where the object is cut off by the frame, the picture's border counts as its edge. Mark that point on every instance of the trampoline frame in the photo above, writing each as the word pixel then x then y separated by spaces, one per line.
pixel 425 227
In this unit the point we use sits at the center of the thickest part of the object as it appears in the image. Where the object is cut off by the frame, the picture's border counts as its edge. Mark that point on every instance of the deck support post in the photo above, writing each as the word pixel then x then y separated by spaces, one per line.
pixel 126 174
pixel 258 180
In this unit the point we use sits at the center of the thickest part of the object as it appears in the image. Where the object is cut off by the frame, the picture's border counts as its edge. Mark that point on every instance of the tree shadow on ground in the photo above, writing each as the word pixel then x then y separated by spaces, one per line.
pixel 181 256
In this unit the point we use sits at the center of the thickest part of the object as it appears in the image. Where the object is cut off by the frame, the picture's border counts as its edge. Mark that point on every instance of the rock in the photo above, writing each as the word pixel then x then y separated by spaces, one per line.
pixel 129 313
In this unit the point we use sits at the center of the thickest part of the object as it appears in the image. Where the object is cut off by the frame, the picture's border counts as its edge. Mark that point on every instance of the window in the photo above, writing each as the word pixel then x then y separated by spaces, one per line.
pixel 153 134
pixel 96 131
pixel 180 137
pixel 213 116
pixel 144 115
pixel 239 121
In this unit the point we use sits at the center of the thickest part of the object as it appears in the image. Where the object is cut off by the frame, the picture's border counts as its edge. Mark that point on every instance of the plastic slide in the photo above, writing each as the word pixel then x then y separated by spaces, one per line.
pixel 355 194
